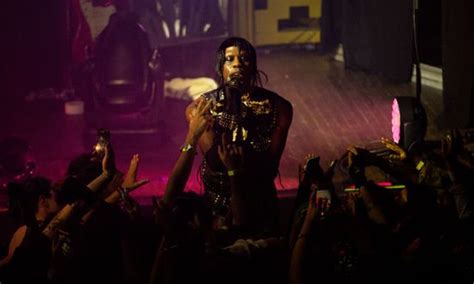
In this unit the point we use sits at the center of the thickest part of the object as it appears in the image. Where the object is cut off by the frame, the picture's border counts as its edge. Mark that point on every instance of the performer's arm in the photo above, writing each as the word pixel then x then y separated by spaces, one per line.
pixel 283 122
pixel 205 141
pixel 199 120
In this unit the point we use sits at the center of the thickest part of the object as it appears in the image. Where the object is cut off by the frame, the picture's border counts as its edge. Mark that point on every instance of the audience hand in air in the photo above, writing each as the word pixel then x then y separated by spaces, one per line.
pixel 317 207
pixel 399 153
pixel 356 164
pixel 307 174
pixel 108 161
pixel 130 182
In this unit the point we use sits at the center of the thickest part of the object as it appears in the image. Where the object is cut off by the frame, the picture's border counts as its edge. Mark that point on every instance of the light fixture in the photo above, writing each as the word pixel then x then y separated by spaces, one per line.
pixel 409 122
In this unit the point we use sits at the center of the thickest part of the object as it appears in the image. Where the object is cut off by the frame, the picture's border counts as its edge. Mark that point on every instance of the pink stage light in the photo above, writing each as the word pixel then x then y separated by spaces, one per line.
pixel 395 121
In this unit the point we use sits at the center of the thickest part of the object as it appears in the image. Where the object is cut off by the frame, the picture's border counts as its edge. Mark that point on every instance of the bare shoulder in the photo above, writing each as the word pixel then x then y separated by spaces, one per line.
pixel 280 101
pixel 20 233
pixel 284 107
pixel 17 239
pixel 284 113
pixel 15 242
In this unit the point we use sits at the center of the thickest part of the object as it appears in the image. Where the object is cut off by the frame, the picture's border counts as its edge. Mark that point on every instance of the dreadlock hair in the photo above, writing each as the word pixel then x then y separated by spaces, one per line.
pixel 247 47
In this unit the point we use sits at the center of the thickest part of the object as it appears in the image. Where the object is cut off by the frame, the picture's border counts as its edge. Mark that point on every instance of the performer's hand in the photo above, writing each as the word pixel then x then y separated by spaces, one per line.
pixel 200 120
pixel 231 155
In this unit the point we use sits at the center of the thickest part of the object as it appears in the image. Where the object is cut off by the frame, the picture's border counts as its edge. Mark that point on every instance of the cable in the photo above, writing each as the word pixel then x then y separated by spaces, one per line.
pixel 417 55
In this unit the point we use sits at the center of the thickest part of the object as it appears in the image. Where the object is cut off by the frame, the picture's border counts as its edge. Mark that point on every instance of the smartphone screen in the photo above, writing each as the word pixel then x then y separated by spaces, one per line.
pixel 323 194
pixel 103 137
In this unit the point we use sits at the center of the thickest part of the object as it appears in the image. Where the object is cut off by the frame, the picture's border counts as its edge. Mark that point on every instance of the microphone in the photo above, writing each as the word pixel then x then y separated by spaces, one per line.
pixel 234 88
pixel 232 100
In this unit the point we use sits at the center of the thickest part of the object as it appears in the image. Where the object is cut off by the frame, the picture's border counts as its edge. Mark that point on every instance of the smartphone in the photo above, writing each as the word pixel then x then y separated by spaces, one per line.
pixel 323 194
pixel 103 139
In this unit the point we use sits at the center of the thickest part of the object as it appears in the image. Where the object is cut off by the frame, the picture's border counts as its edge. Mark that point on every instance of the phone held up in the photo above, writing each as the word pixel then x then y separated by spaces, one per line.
pixel 103 139
pixel 313 172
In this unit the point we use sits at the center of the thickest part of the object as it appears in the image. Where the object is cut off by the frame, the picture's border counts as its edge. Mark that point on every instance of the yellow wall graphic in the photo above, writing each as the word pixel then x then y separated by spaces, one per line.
pixel 299 29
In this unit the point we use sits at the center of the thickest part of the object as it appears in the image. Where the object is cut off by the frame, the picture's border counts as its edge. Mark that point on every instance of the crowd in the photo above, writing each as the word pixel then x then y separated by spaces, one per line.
pixel 87 228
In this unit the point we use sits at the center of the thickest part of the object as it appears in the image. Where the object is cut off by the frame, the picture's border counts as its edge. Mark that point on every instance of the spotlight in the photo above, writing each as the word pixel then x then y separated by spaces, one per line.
pixel 409 122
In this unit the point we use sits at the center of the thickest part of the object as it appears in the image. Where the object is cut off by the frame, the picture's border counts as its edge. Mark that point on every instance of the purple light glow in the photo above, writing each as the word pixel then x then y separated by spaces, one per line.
pixel 395 121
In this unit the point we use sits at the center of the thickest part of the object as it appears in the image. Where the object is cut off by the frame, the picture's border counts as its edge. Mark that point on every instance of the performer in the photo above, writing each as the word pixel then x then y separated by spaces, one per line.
pixel 255 119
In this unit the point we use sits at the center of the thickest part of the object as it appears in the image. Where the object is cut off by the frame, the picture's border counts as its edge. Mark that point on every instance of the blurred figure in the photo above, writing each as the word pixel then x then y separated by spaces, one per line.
pixel 29 252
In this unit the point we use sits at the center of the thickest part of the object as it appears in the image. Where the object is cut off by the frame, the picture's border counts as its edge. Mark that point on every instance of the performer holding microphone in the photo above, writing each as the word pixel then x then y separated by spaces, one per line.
pixel 243 147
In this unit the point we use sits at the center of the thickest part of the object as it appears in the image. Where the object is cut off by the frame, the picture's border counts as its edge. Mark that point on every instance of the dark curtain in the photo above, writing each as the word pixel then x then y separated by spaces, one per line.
pixel 458 62
pixel 32 46
pixel 376 35
pixel 331 25
pixel 429 32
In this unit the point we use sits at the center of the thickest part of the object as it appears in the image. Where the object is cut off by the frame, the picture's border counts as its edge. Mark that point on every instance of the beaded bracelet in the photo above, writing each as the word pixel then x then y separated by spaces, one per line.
pixel 122 192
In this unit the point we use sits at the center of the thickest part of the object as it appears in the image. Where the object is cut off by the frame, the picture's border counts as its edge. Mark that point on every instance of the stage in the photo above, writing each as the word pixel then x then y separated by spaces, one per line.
pixel 332 108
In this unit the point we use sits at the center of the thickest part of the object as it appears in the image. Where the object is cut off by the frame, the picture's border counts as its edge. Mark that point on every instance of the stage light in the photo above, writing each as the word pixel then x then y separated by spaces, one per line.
pixel 409 122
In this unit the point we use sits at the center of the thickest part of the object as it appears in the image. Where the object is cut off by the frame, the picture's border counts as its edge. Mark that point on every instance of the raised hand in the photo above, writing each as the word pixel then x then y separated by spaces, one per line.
pixel 317 207
pixel 311 169
pixel 231 155
pixel 356 165
pixel 308 157
pixel 399 153
pixel 130 182
pixel 108 161
pixel 200 119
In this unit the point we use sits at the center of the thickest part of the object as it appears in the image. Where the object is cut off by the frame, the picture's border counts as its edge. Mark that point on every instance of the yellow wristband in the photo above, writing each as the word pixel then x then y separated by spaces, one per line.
pixel 420 165
pixel 232 173
pixel 187 148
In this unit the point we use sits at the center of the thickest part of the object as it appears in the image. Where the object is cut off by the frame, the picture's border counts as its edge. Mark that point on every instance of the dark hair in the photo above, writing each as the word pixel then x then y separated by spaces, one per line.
pixel 28 195
pixel 70 190
pixel 422 200
pixel 85 167
pixel 243 45
pixel 186 206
